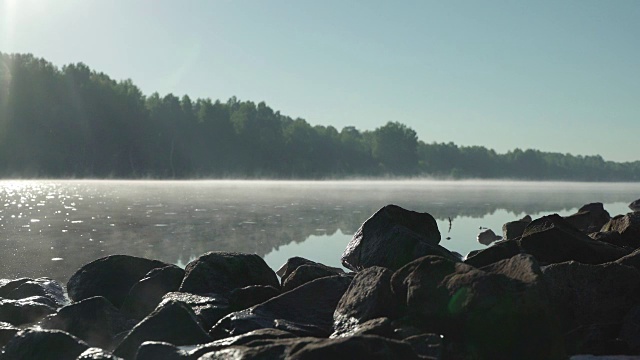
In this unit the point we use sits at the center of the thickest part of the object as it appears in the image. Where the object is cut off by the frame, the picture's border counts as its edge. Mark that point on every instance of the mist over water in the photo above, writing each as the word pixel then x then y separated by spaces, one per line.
pixel 51 228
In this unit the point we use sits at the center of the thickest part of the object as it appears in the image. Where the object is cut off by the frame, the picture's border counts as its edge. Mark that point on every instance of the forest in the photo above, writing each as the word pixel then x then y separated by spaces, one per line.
pixel 74 122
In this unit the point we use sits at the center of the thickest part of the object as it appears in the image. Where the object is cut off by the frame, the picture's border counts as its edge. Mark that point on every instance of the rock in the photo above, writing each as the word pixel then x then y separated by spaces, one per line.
pixel 354 347
pixel 487 236
pixel 208 309
pixel 498 312
pixel 635 205
pixel 111 277
pixel 381 326
pixel 553 240
pixel 293 263
pixel 97 354
pixel 220 272
pixel 43 287
pixel 632 260
pixel 154 350
pixel 273 349
pixel 6 333
pixel 94 320
pixel 391 238
pixel 32 344
pixel 427 346
pixel 262 335
pixel 585 294
pixel 501 250
pixel 628 226
pixel 630 329
pixel 596 339
pixel 305 273
pixel 515 229
pixel 369 296
pixel 589 218
pixel 173 322
pixel 246 297
pixel 305 311
pixel 609 237
pixel 147 293
pixel 23 311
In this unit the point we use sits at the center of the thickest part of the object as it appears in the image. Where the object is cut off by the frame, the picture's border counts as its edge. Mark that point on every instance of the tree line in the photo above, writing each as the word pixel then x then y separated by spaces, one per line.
pixel 76 122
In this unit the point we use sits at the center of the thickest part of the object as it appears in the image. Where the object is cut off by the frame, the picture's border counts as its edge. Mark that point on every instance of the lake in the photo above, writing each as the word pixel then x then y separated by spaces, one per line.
pixel 51 227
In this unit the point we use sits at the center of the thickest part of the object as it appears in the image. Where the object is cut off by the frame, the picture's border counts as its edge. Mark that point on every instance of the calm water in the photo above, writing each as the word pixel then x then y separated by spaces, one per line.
pixel 50 228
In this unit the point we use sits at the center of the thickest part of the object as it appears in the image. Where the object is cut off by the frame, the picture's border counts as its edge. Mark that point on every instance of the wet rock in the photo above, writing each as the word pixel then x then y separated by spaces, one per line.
pixel 499 251
pixel 32 344
pixel 354 347
pixel 6 333
pixel 154 350
pixel 111 277
pixel 273 349
pixel 306 311
pixel 208 309
pixel 551 240
pixel 262 335
pixel 487 236
pixel 369 296
pixel 172 321
pixel 628 226
pixel 586 294
pixel 246 297
pixel 147 293
pixel 94 320
pixel 391 238
pixel 632 260
pixel 23 311
pixel 596 339
pixel 305 273
pixel 379 326
pixel 220 272
pixel 609 237
pixel 97 354
pixel 293 263
pixel 492 313
pixel 42 287
pixel 635 205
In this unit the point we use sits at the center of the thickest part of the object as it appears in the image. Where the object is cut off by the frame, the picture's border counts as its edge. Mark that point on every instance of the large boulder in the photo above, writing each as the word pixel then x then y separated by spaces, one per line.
pixel 635 205
pixel 586 294
pixel 295 262
pixel 94 320
pixel 369 296
pixel 172 322
pixel 354 347
pixel 111 277
pixel 306 311
pixel 147 293
pixel 220 272
pixel 32 344
pixel 305 273
pixel 500 250
pixel 551 239
pixel 26 288
pixel 514 229
pixel 497 312
pixel 23 311
pixel 628 226
pixel 262 336
pixel 209 309
pixel 393 237
pixel 589 218
pixel 246 297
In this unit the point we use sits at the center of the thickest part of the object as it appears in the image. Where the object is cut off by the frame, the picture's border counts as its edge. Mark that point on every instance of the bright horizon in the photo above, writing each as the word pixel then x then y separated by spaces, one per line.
pixel 554 76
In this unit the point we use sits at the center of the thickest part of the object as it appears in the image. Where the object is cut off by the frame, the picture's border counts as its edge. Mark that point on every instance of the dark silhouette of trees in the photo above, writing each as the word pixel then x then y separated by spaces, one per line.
pixel 76 122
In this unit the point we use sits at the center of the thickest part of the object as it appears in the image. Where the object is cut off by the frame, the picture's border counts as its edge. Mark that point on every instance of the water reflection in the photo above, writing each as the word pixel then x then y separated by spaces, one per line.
pixel 50 228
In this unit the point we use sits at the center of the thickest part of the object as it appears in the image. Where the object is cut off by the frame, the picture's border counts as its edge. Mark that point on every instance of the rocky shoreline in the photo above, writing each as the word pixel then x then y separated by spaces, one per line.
pixel 554 288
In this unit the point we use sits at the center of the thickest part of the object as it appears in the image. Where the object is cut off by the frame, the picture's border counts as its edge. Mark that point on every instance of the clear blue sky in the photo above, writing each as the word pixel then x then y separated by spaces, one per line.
pixel 552 75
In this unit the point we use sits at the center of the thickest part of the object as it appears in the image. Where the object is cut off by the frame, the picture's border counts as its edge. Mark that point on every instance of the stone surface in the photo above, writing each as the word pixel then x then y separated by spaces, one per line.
pixel 220 272
pixel 369 296
pixel 208 309
pixel 514 229
pixel 23 311
pixel 305 273
pixel 551 240
pixel 246 297
pixel 94 320
pixel 306 311
pixel 94 353
pixel 391 238
pixel 30 344
pixel 147 293
pixel 262 335
pixel 41 287
pixel 355 347
pixel 6 332
pixel 487 237
pixel 635 205
pixel 111 277
pixel 500 250
pixel 172 322
pixel 589 218
pixel 294 262
pixel 628 226
pixel 158 350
